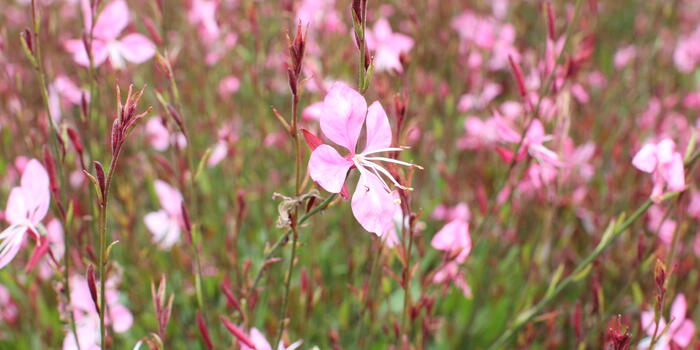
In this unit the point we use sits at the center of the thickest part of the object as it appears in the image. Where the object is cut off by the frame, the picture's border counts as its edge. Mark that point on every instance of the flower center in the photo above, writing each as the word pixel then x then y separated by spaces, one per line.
pixel 364 161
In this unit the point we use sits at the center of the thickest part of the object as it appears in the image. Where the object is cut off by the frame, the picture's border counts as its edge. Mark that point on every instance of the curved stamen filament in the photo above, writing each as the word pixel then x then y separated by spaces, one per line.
pixel 388 149
pixel 385 172
pixel 391 160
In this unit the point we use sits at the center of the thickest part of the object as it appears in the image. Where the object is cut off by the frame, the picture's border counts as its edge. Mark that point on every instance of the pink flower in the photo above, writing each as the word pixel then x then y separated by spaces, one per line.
pixel 63 89
pixel 479 100
pixel 449 272
pixel 160 138
pixel 258 339
pixel 134 47
pixel 624 56
pixel 687 53
pixel 165 223
pixel 228 86
pixel 664 163
pixel 344 113
pixel 88 320
pixel 202 13
pixel 454 239
pixel 27 205
pixel 680 332
pixel 387 46
pixel 8 308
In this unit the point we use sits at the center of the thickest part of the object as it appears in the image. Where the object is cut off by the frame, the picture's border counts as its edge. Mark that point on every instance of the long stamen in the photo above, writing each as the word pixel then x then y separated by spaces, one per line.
pixel 389 149
pixel 391 160
pixel 386 172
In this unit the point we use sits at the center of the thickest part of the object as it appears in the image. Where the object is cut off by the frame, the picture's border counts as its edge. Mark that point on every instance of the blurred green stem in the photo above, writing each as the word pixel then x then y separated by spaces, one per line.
pixel 36 60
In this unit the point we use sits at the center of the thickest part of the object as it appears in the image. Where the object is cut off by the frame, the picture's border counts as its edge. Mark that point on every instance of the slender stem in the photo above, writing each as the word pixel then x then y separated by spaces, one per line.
pixel 102 224
pixel 524 317
pixel 295 234
pixel 41 75
pixel 273 249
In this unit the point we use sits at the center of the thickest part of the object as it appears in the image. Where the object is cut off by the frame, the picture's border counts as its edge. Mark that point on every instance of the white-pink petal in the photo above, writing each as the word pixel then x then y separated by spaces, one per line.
pixel 378 128
pixel 372 205
pixel 112 20
pixel 344 111
pixel 136 48
pixel 328 168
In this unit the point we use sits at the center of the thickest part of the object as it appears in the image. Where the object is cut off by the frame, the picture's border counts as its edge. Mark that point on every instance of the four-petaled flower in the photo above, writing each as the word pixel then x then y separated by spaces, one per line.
pixel 345 111
pixel 110 23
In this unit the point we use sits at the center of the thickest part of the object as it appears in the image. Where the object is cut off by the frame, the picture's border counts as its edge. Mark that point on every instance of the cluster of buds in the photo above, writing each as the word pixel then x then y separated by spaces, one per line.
pixel 359 24
pixel 296 48
pixel 126 118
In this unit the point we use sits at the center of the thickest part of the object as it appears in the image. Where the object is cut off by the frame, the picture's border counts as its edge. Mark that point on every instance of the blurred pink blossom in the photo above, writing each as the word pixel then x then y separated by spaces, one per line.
pixel 113 19
pixel 165 223
pixel 680 332
pixel 664 163
pixel 624 55
pixel 387 46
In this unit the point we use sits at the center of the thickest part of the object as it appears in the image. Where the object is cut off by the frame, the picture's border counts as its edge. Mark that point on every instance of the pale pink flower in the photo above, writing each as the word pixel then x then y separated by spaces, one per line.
pixel 27 205
pixel 680 331
pixel 479 100
pixel 202 14
pixel 449 272
pixel 165 223
pixel 454 239
pixel 657 222
pixel 313 111
pixel 8 309
pixel 486 33
pixel 228 86
pixel 320 15
pixel 533 144
pixel 258 339
pixel 134 47
pixel 61 91
pixel 160 138
pixel 687 53
pixel 387 46
pixel 86 317
pixel 344 113
pixel 624 55
pixel 664 163
pixel 54 234
pixel 459 211
pixel 694 205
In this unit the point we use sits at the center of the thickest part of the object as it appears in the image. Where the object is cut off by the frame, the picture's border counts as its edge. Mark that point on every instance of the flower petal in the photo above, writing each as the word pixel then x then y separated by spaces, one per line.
pixel 10 241
pixel 35 185
pixel 684 333
pixel 16 211
pixel 328 168
pixel 378 129
pixel 136 48
pixel 372 205
pixel 112 20
pixel 169 197
pixel 645 159
pixel 344 111
pixel 120 317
